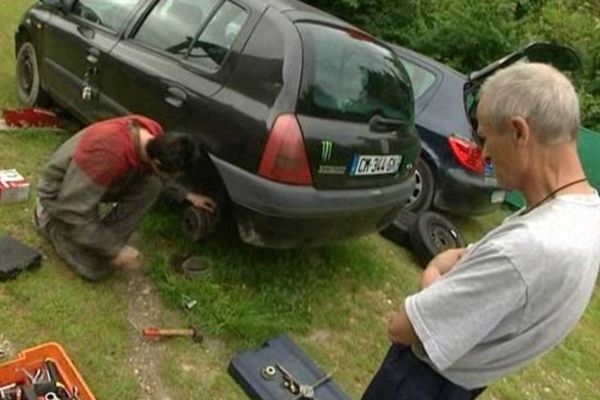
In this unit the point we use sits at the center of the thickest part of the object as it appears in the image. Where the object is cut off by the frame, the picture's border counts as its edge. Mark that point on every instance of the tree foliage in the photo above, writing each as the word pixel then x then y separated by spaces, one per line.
pixel 468 34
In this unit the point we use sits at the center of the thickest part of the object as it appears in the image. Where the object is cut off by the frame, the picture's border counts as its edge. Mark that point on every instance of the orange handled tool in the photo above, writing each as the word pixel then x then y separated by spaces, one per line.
pixel 159 332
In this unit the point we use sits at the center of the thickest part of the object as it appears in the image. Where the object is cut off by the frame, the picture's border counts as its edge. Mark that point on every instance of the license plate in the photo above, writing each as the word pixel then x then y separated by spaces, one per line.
pixel 498 196
pixel 375 165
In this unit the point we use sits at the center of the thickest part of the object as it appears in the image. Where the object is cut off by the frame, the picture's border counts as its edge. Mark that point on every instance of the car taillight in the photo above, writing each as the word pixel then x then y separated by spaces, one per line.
pixel 468 154
pixel 284 158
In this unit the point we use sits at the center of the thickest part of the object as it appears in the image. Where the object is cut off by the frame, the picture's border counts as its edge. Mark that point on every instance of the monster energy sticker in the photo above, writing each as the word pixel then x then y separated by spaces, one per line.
pixel 326 150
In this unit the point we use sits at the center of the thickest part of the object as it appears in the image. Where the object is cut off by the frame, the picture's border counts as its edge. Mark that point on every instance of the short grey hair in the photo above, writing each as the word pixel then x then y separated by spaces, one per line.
pixel 540 94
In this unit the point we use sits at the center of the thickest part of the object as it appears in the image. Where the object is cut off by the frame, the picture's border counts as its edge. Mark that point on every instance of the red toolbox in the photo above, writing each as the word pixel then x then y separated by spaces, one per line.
pixel 31 360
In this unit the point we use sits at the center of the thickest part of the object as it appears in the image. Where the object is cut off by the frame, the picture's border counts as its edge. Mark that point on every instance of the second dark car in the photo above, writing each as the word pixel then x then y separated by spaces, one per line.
pixel 451 173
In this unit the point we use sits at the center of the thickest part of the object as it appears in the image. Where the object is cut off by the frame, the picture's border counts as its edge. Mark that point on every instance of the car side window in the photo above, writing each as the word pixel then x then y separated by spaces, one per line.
pixel 172 25
pixel 215 41
pixel 111 14
pixel 420 78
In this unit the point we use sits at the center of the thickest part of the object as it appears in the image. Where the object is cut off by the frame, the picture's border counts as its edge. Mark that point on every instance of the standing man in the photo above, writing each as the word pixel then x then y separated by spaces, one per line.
pixel 112 161
pixel 487 311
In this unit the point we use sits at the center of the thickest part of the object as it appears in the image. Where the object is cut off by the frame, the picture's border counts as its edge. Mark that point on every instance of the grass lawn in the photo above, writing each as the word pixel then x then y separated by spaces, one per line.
pixel 333 301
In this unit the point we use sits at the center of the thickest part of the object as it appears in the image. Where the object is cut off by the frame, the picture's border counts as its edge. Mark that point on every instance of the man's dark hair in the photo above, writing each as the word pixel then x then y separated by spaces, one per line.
pixel 173 151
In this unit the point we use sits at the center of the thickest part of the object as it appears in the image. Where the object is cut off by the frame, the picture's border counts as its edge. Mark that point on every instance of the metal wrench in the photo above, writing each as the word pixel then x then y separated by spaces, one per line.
pixel 308 391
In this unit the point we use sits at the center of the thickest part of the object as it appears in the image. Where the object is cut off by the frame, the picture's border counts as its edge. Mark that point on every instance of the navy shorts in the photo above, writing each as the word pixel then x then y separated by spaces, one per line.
pixel 403 376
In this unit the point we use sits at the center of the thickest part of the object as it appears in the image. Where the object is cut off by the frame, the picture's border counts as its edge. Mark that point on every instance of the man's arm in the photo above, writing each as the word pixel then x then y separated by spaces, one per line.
pixel 180 194
pixel 440 265
pixel 200 201
pixel 400 329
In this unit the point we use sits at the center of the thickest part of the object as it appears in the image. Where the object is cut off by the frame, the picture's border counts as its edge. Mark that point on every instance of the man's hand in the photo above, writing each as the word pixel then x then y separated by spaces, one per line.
pixel 128 258
pixel 400 329
pixel 441 264
pixel 202 202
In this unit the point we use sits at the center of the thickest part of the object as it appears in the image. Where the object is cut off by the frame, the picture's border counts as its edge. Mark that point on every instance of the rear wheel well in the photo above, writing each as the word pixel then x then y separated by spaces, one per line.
pixel 205 178
pixel 22 36
pixel 426 156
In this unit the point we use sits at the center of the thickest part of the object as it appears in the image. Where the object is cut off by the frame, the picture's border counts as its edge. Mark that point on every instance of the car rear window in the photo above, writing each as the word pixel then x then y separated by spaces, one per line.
pixel 420 78
pixel 348 76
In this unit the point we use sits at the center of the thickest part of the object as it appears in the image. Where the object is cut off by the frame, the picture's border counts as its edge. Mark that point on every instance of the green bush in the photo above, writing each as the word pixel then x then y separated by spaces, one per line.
pixel 575 24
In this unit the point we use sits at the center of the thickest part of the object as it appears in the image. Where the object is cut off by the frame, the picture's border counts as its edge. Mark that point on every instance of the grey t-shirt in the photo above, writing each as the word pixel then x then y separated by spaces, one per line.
pixel 513 296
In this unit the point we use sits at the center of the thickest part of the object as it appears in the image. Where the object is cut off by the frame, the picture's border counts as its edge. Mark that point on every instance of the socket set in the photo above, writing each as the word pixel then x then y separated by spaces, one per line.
pixel 43 372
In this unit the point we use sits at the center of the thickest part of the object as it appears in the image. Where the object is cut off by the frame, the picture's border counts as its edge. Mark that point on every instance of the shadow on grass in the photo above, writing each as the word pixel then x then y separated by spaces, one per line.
pixel 249 293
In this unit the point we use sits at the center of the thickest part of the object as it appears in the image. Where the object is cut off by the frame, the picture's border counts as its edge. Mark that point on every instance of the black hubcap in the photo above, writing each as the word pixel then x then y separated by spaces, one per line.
pixel 442 237
pixel 417 191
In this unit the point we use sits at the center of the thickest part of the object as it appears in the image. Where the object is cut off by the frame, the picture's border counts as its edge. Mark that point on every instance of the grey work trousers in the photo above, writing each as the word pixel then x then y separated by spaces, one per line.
pixel 133 197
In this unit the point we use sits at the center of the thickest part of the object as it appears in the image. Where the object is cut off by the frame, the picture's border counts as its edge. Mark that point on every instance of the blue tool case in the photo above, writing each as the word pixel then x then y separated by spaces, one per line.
pixel 262 373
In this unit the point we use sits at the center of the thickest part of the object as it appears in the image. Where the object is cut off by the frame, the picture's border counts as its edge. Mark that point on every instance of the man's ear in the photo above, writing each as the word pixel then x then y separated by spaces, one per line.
pixel 521 131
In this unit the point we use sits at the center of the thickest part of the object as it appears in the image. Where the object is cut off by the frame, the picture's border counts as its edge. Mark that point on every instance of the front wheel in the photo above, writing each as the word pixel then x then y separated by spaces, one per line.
pixel 29 87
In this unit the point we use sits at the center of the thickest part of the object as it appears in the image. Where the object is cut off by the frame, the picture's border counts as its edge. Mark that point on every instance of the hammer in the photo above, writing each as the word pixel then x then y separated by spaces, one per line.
pixel 192 332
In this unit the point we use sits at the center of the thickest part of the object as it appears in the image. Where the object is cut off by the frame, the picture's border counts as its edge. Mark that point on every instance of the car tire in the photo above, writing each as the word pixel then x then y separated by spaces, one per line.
pixel 198 224
pixel 399 230
pixel 29 88
pixel 422 195
pixel 431 234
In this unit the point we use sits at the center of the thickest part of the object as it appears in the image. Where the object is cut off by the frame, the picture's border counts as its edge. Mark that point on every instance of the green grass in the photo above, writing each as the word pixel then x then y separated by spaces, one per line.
pixel 333 301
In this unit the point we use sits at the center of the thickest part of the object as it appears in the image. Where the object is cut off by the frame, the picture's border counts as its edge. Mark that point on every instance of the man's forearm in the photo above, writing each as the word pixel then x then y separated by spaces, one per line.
pixel 400 329
pixel 430 275
pixel 440 265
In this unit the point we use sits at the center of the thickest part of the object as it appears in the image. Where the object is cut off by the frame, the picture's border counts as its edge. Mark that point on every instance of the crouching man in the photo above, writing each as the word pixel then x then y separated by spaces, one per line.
pixel 113 161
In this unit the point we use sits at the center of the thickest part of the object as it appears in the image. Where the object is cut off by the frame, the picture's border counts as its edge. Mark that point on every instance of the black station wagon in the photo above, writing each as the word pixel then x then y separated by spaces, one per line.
pixel 307 120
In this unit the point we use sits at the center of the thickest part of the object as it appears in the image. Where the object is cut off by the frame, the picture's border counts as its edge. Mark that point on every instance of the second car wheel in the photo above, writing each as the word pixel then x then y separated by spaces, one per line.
pixel 432 234
pixel 29 86
pixel 422 195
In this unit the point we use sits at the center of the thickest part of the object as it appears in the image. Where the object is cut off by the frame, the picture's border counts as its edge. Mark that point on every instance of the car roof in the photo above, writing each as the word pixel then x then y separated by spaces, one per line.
pixel 292 5
pixel 413 55
pixel 297 10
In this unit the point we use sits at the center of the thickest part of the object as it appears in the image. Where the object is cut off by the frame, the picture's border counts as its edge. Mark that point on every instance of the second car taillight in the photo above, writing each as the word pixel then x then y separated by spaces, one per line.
pixel 284 159
pixel 468 154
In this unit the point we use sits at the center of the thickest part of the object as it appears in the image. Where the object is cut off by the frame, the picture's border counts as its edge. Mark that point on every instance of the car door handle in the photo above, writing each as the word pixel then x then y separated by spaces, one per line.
pixel 175 96
pixel 86 32
pixel 93 55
